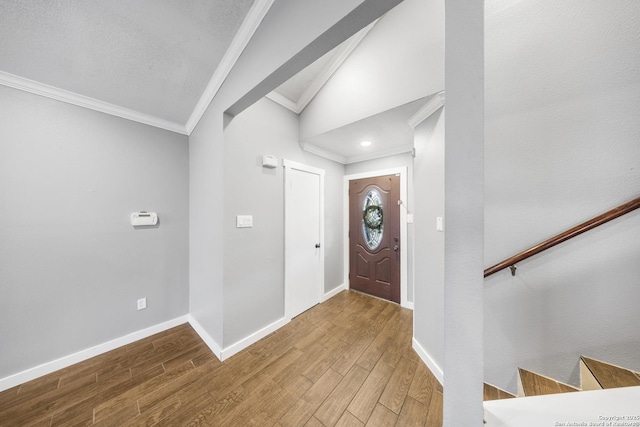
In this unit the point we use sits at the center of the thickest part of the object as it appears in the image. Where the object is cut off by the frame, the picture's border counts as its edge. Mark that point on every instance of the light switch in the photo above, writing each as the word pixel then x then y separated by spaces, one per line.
pixel 244 221
pixel 439 223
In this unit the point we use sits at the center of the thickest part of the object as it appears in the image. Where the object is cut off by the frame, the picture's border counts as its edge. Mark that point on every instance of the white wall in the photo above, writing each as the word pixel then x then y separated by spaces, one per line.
pixel 206 246
pixel 254 257
pixel 463 213
pixel 562 146
pixel 276 52
pixel 400 60
pixel 71 264
pixel 428 176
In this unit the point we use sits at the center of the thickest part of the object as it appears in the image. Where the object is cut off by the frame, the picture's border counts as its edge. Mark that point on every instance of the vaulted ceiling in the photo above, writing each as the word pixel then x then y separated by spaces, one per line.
pixel 154 61
pixel 146 59
pixel 160 62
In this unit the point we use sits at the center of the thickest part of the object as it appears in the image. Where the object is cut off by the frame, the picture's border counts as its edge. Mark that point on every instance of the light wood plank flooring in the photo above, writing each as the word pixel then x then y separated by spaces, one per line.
pixel 536 385
pixel 494 393
pixel 346 362
pixel 611 376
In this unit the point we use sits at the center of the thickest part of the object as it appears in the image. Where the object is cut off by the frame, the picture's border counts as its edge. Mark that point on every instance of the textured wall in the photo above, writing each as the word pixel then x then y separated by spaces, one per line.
pixel 429 243
pixel 254 257
pixel 562 146
pixel 276 52
pixel 71 264
pixel 463 213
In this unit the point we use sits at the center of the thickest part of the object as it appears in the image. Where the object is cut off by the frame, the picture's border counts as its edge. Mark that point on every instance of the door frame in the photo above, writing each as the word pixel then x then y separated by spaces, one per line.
pixel 288 235
pixel 402 171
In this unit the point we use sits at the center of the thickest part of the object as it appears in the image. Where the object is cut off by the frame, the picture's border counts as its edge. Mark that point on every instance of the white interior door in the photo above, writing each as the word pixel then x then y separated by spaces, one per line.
pixel 304 249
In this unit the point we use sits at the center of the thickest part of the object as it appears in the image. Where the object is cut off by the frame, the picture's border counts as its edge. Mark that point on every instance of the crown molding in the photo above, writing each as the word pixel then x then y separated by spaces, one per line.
pixel 318 151
pixel 401 149
pixel 73 98
pixel 249 26
pixel 314 149
pixel 238 44
pixel 434 104
pixel 283 100
pixel 324 76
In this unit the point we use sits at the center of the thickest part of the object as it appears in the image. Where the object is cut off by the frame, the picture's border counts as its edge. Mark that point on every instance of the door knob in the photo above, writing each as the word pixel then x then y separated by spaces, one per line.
pixel 317 245
pixel 395 248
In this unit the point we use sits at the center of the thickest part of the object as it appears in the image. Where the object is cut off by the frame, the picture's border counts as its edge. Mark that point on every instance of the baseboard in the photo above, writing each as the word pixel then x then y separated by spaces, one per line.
pixel 428 360
pixel 256 336
pixel 333 292
pixel 63 362
pixel 208 340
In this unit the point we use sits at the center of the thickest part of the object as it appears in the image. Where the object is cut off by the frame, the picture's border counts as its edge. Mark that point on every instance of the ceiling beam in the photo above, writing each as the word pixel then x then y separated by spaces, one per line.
pixel 249 26
pixel 357 19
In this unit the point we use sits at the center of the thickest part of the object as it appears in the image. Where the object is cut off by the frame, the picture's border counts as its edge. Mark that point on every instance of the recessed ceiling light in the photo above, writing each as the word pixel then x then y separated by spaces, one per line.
pixel 365 143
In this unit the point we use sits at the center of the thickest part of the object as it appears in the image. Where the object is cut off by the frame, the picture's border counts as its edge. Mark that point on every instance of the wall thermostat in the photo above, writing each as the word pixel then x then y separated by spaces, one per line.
pixel 139 219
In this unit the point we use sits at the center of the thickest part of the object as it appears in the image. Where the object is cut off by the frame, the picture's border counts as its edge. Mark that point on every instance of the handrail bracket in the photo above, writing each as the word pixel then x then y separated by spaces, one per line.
pixel 513 269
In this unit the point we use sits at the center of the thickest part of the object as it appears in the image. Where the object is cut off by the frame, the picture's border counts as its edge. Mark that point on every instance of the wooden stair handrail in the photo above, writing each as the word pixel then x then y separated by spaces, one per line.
pixel 555 240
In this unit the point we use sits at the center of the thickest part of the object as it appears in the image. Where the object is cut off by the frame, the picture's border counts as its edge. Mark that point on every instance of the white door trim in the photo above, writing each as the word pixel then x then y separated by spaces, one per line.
pixel 402 171
pixel 288 166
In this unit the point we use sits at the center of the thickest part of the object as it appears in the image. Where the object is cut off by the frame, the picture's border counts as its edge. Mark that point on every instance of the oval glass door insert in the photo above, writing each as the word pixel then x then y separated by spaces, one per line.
pixel 372 220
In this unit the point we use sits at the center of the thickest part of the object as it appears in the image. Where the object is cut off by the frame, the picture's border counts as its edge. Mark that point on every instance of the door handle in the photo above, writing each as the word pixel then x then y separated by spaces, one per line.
pixel 317 245
pixel 395 248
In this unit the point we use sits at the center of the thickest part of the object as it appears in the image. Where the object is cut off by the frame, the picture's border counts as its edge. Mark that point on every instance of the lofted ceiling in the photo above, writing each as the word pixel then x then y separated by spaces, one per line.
pixel 160 62
pixel 390 132
pixel 297 92
pixel 147 60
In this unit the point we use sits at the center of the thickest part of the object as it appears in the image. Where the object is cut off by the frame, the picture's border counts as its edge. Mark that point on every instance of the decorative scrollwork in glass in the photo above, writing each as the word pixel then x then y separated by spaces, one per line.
pixel 372 220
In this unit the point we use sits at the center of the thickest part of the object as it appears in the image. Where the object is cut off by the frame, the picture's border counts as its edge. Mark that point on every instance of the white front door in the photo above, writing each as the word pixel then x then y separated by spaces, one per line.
pixel 304 251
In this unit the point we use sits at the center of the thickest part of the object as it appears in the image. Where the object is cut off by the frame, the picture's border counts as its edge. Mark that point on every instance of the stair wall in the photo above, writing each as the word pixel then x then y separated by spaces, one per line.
pixel 561 146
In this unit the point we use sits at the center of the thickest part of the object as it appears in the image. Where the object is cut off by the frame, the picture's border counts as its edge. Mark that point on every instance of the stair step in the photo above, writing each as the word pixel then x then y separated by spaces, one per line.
pixel 494 393
pixel 566 409
pixel 532 384
pixel 611 376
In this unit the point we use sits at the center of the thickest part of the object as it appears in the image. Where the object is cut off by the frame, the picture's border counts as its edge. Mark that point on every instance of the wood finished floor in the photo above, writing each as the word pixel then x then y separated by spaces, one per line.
pixel 346 362
pixel 611 376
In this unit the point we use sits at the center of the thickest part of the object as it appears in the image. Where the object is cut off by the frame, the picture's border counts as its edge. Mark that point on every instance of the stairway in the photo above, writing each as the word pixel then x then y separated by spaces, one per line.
pixel 594 375
pixel 605 390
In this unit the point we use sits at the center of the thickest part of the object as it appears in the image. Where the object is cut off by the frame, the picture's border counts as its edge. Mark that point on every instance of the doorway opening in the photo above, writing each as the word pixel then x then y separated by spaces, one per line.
pixel 377 243
pixel 374 236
